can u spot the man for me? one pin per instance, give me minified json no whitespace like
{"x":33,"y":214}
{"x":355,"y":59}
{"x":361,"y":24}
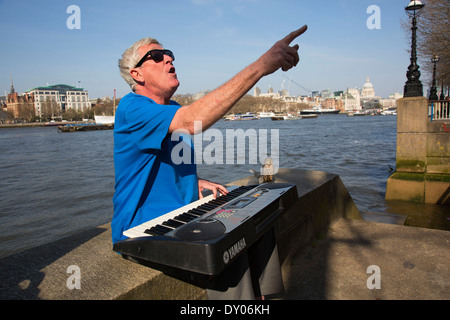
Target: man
{"x":148,"y":183}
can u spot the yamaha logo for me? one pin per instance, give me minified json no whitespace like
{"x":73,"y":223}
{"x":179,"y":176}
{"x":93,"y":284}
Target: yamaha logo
{"x":234,"y":250}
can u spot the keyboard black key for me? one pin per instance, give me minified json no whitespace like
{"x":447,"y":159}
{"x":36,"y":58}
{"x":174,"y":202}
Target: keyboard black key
{"x":208,"y":206}
{"x":172,"y":223}
{"x":155,"y":231}
{"x":189,"y":216}
{"x":182,"y":218}
{"x":162,"y":228}
{"x":152,"y":232}
{"x":198,"y":212}
{"x":194,"y":213}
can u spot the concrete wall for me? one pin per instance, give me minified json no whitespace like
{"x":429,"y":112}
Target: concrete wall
{"x":423,"y":156}
{"x":44,"y":272}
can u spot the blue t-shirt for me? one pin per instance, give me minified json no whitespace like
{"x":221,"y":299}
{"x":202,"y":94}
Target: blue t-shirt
{"x":147,"y":181}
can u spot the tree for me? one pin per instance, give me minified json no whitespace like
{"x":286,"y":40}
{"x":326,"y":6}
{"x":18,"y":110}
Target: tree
{"x":184,"y":99}
{"x":105,"y":107}
{"x":71,"y":114}
{"x":26,"y":111}
{"x":434,"y":38}
{"x":46,"y":109}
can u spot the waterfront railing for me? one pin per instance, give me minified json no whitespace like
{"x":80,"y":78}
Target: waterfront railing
{"x":439,"y":110}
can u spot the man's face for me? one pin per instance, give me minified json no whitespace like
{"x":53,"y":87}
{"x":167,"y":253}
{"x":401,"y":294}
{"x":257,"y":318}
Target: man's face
{"x":159,"y":77}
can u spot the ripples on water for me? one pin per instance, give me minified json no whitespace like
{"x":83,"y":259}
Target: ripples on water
{"x":52,"y":184}
{"x":359,"y":149}
{"x":56,"y":184}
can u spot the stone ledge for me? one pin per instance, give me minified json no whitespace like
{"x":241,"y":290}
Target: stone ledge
{"x":413,"y":264}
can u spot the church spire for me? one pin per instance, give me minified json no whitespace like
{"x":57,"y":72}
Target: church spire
{"x":12,"y":85}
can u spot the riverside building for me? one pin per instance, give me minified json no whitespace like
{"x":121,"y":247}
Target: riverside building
{"x":59,"y":98}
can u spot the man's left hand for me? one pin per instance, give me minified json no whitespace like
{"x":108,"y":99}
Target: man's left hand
{"x":214,"y":187}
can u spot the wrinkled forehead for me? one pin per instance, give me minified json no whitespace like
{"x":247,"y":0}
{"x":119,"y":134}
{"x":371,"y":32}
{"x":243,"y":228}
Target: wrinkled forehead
{"x":145,"y":48}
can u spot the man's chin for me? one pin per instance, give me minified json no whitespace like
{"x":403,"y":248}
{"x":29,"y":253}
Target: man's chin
{"x":174,"y":88}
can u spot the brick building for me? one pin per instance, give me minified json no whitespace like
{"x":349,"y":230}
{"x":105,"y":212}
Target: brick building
{"x":20,"y":105}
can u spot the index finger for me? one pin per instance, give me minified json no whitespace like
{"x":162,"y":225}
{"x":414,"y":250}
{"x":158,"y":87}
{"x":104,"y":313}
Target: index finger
{"x":223,"y":190}
{"x":294,"y":34}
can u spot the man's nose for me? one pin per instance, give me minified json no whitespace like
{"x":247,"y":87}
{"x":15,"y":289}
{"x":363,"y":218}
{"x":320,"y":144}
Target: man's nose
{"x":168,"y":58}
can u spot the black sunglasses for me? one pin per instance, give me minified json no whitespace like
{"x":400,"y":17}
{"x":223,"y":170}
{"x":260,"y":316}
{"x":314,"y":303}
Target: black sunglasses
{"x":157,"y":55}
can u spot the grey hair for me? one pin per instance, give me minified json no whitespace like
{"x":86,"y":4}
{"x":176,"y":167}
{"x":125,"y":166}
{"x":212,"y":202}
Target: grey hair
{"x":131,"y":57}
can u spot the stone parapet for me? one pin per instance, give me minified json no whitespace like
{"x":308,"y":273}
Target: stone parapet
{"x":423,"y":156}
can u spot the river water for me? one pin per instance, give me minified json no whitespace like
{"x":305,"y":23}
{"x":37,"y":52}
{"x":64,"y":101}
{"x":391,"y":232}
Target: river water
{"x":53,"y":185}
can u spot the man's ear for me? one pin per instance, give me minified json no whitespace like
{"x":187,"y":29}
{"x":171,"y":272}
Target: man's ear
{"x":137,"y":75}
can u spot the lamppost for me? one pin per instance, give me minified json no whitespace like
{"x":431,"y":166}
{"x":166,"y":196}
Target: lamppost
{"x":413,"y":86}
{"x":433,"y":90}
{"x":442,"y":97}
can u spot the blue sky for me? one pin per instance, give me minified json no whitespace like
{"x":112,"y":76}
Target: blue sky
{"x":212,"y":40}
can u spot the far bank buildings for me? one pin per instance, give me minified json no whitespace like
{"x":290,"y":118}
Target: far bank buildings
{"x":348,"y":100}
{"x":60,"y":97}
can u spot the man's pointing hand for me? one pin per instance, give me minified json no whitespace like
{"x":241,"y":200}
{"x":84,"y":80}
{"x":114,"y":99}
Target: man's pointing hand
{"x":282,"y":55}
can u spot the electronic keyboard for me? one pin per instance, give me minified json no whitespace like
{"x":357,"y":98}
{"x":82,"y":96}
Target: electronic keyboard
{"x":207,"y":235}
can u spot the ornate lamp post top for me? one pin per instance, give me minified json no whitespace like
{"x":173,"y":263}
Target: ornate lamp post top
{"x":413,"y":87}
{"x":435,"y":58}
{"x":433,"y":90}
{"x":414,"y":8}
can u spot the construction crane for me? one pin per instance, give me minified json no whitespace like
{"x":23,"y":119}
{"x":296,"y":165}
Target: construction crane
{"x":290,"y":80}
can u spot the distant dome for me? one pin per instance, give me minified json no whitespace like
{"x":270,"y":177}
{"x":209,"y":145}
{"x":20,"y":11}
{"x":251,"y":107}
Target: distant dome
{"x":367,"y":90}
{"x":368,"y":84}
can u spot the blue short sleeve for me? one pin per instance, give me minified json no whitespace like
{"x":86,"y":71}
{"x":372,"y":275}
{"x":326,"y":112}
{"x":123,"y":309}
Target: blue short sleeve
{"x":147,"y":122}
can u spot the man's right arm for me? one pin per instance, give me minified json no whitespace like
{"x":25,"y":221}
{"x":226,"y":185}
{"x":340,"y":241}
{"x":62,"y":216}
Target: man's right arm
{"x":216,"y":104}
